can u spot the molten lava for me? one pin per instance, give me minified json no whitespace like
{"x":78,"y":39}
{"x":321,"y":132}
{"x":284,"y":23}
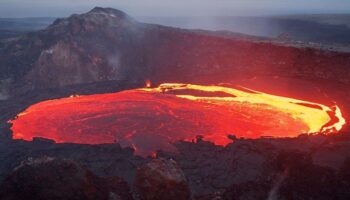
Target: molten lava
{"x":150,"y":119}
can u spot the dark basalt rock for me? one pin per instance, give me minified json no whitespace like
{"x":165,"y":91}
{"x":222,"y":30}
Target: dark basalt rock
{"x":49,"y":178}
{"x":162,"y":179}
{"x":106,"y":44}
{"x":43,"y":140}
{"x":246,"y":169}
{"x":294,"y":176}
{"x":304,"y":180}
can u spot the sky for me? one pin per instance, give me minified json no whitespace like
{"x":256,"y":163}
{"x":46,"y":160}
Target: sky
{"x":62,"y":8}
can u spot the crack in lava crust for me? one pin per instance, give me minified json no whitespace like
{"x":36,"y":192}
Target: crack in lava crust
{"x":150,"y":119}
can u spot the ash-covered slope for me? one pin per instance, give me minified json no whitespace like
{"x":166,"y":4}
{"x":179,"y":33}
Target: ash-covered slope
{"x":106,"y":44}
{"x":79,"y":49}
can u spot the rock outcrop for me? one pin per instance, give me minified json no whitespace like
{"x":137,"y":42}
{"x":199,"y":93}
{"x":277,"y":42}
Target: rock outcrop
{"x":162,"y":179}
{"x":281,"y":168}
{"x":57,"y":179}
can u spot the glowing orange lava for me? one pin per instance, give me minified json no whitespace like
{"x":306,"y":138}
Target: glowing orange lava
{"x":151,"y":118}
{"x":148,"y":84}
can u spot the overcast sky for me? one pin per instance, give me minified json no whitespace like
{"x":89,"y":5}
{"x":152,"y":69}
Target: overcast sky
{"x":60,"y":8}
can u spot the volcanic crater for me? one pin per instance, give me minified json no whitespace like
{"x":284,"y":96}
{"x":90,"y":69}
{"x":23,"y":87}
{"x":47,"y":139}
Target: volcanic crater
{"x":150,"y":119}
{"x":235,"y":102}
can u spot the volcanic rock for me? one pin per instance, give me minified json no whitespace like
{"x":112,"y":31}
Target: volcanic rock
{"x":304,"y":180}
{"x":49,"y":178}
{"x":260,"y":167}
{"x":106,"y":44}
{"x":162,"y":179}
{"x":43,"y":140}
{"x":294,"y":176}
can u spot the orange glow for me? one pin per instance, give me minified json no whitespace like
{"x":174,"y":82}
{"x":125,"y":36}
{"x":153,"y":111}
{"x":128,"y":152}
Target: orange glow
{"x":149,"y":119}
{"x":315,"y":119}
{"x":148,"y":84}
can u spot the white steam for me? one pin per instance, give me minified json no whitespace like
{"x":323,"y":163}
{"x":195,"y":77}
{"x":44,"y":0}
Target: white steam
{"x":273,"y":194}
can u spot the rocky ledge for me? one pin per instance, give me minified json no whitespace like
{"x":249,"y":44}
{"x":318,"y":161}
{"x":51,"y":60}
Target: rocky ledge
{"x":306,"y":167}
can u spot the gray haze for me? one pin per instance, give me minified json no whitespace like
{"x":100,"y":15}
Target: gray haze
{"x":60,"y":8}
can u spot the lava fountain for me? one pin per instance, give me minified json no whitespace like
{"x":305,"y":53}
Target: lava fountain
{"x":150,"y":119}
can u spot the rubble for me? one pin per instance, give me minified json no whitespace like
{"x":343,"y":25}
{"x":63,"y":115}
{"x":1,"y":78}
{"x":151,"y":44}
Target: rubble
{"x":246,"y":168}
{"x":162,"y":179}
{"x":49,"y":178}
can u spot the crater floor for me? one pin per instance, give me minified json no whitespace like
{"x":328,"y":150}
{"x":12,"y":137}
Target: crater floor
{"x":149,"y":119}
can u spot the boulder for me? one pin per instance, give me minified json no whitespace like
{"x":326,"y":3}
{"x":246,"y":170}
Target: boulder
{"x":59,"y":179}
{"x":162,"y":179}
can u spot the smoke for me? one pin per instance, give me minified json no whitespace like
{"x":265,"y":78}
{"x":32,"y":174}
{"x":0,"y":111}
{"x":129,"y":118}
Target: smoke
{"x":4,"y":89}
{"x":3,"y":96}
{"x":273,"y":194}
{"x":115,"y":65}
